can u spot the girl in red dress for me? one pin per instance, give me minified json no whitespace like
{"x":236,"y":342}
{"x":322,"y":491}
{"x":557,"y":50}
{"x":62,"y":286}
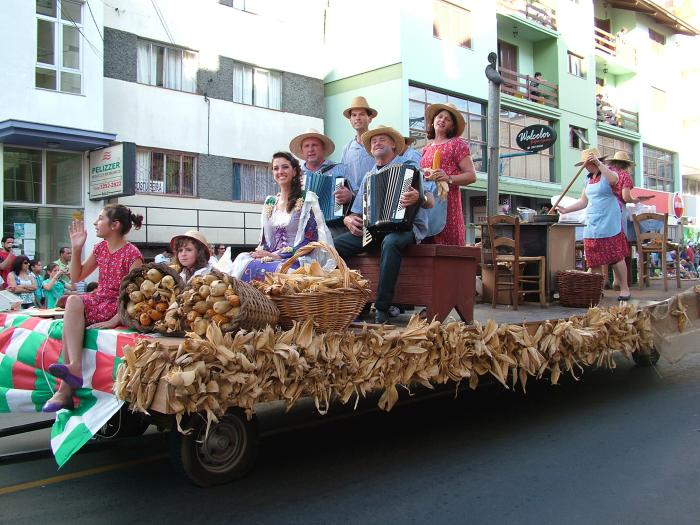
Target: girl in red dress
{"x":114,"y":257}
{"x":445,"y":125}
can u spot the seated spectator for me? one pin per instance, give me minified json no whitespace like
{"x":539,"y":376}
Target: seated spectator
{"x":163,"y":257}
{"x":91,"y":287}
{"x":53,"y":285}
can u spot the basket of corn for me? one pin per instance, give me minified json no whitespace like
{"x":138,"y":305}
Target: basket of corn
{"x":147,"y":296}
{"x":333,"y":299}
{"x":225,"y":301}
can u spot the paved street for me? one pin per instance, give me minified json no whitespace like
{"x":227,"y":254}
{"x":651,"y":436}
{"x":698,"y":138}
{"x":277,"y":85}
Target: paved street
{"x":615,"y":447}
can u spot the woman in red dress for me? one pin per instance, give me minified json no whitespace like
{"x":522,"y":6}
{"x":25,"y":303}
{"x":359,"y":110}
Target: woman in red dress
{"x":114,"y":257}
{"x":445,"y":125}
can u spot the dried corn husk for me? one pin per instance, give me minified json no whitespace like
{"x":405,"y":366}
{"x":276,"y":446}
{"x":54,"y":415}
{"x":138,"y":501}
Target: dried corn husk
{"x":308,"y":278}
{"x":210,"y":372}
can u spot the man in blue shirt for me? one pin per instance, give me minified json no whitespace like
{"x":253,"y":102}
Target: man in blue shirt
{"x":313,"y":148}
{"x":384,"y":144}
{"x":355,"y":156}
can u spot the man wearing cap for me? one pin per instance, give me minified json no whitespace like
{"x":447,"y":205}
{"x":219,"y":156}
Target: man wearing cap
{"x":384,"y":144}
{"x":313,"y":148}
{"x":355,"y":156}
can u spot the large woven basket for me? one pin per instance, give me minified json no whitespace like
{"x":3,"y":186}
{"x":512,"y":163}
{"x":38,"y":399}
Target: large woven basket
{"x":331,"y":310}
{"x":256,"y":311}
{"x":132,"y":277}
{"x":579,"y":289}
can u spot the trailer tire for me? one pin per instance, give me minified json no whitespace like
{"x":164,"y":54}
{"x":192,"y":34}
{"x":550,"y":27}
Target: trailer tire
{"x":227,"y":453}
{"x":646,"y":358}
{"x":124,"y":424}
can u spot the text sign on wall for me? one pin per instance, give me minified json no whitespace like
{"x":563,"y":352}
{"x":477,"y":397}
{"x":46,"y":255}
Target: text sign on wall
{"x":112,"y":171}
{"x":536,"y":137}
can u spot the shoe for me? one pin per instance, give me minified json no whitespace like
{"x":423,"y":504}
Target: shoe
{"x":61,"y":371}
{"x":394,"y":311}
{"x":55,"y":406}
{"x":624,"y":297}
{"x":380,"y":317}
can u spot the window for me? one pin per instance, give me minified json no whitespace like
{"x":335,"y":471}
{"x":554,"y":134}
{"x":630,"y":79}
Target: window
{"x":576,"y":64}
{"x":691,"y":186}
{"x":168,"y":67}
{"x":42,"y":177}
{"x":165,"y":172}
{"x":609,"y":146}
{"x":658,"y":169}
{"x":58,"y":45}
{"x":452,"y":23}
{"x":657,"y":37}
{"x":252,"y":182}
{"x":537,"y":167}
{"x":256,"y":86}
{"x":578,"y":138}
{"x":474,"y":114}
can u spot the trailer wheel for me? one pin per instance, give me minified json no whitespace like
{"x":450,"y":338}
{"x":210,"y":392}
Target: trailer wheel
{"x":227,"y":452}
{"x":123,"y":424}
{"x":646,"y":357}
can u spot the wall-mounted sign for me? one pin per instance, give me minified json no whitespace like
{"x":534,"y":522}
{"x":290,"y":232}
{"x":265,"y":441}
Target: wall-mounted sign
{"x":536,"y":138}
{"x":678,"y":205}
{"x":112,"y":171}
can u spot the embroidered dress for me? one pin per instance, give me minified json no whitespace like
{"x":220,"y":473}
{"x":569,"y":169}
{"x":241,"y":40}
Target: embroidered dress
{"x":604,"y":242}
{"x":101,"y":305}
{"x":452,"y":152}
{"x":283,"y":234}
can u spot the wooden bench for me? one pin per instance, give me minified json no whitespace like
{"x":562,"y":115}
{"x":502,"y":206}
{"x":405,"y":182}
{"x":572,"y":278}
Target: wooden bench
{"x":432,"y":275}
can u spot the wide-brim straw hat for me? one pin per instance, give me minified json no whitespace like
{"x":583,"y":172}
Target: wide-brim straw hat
{"x":384,"y":130}
{"x":586,"y":152}
{"x":433,"y":109}
{"x":295,"y":144}
{"x":360,"y":103}
{"x":622,"y":156}
{"x":195,"y":236}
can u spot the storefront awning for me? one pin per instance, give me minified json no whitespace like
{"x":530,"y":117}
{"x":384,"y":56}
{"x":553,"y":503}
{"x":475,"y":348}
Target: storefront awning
{"x":21,"y":133}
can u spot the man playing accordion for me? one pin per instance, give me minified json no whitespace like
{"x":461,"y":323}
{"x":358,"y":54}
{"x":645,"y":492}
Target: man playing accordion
{"x":385,"y":144}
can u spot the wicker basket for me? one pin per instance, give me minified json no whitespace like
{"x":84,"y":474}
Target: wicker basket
{"x":131,"y":277}
{"x":579,"y":289}
{"x":331,"y":310}
{"x":256,"y":310}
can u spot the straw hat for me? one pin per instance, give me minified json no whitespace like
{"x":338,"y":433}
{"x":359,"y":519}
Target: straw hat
{"x":295,"y":144}
{"x":434,"y":109}
{"x":360,"y":103}
{"x":384,"y":130}
{"x":195,"y":236}
{"x":586,"y":152}
{"x":622,"y":156}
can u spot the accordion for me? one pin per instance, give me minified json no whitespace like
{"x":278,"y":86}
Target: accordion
{"x":325,"y":186}
{"x":381,"y":209}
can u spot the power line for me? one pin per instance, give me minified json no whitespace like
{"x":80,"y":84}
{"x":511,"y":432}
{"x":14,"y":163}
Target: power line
{"x":162,"y":21}
{"x":94,"y":21}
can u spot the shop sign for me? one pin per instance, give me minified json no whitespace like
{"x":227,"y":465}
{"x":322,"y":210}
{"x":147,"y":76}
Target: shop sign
{"x":112,"y":171}
{"x":678,"y":205}
{"x":536,"y":138}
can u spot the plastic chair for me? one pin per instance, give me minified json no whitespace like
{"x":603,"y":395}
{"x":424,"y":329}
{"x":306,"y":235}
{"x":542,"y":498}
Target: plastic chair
{"x":508,"y":264}
{"x":649,"y":242}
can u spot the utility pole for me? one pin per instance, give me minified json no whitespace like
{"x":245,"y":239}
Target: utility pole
{"x":494,"y":111}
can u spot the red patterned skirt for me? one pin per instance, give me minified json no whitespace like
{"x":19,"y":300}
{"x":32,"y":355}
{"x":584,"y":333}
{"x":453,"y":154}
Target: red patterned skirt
{"x":608,"y":250}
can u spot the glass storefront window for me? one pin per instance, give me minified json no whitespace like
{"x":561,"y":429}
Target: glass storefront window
{"x":63,"y":174}
{"x":22,"y":175}
{"x":51,"y":229}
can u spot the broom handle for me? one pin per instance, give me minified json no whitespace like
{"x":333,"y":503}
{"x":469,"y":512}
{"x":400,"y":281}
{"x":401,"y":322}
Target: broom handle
{"x":551,"y":211}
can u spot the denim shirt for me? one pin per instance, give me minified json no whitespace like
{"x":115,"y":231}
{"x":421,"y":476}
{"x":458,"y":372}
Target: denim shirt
{"x":358,"y":162}
{"x":420,"y":223}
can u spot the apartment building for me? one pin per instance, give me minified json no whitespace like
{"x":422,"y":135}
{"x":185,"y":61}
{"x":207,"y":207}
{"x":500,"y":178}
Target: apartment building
{"x":436,"y":51}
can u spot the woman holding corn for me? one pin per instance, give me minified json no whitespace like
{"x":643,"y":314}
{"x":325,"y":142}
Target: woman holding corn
{"x":447,"y":160}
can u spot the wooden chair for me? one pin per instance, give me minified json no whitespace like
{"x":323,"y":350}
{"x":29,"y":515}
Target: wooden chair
{"x":508,"y":264}
{"x":654,"y":242}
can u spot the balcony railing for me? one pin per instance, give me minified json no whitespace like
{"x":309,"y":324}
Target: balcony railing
{"x":529,"y":88}
{"x":614,"y":46}
{"x":533,"y":10}
{"x":622,"y":118}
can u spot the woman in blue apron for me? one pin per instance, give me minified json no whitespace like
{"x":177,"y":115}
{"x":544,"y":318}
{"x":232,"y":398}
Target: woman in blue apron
{"x":604,"y":242}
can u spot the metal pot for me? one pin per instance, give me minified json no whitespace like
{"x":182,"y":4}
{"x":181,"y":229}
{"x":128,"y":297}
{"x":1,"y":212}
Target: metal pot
{"x":526,"y":214}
